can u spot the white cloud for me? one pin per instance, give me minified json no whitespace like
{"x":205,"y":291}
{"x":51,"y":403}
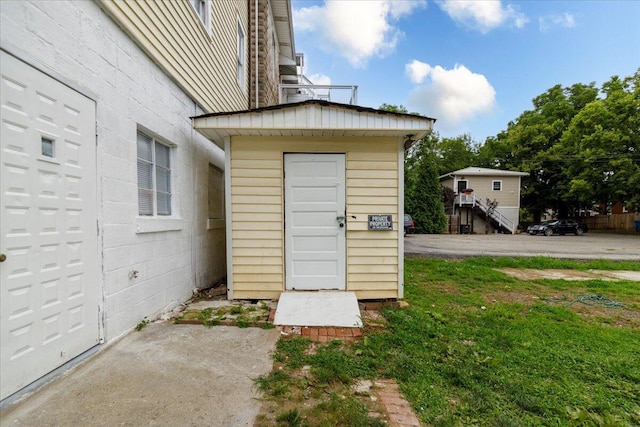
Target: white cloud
{"x":565,"y":20}
{"x":356,"y":29}
{"x":320,"y":79}
{"x":483,"y":15}
{"x":452,"y":96}
{"x":417,"y":70}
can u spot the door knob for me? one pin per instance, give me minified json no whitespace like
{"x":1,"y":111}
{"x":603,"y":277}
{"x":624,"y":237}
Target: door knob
{"x":3,"y":257}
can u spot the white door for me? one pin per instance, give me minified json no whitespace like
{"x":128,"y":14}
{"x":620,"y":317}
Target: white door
{"x":49,"y":285}
{"x":315,"y":221}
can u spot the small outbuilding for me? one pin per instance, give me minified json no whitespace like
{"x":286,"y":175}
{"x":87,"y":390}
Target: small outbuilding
{"x":314,"y":197}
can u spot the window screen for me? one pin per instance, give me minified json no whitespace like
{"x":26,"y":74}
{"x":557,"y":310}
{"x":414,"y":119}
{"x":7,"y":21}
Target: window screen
{"x":154,"y":176}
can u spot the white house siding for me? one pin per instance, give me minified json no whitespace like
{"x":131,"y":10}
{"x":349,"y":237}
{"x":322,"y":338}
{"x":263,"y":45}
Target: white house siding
{"x":79,"y":44}
{"x":258,"y":212}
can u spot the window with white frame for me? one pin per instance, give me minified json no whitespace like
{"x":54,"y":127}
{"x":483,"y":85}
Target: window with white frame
{"x":496,"y":185}
{"x":154,"y":176}
{"x":203,"y":10}
{"x":241,"y":55}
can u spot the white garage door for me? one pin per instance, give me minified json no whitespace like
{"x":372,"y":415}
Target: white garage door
{"x":48,"y":277}
{"x":315,"y":221}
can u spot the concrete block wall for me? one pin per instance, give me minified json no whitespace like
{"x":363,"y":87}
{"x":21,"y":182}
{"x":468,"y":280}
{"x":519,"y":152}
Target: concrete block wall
{"x":82,"y":46}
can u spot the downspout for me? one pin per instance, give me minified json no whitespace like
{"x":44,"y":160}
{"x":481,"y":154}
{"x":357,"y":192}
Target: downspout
{"x":194,"y":180}
{"x":256,"y":56}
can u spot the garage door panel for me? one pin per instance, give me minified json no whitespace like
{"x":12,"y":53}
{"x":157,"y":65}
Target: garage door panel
{"x":49,"y":294}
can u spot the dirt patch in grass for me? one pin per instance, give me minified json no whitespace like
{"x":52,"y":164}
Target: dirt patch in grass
{"x":625,"y":316}
{"x":563,"y":274}
{"x":517,"y":297}
{"x":622,"y":317}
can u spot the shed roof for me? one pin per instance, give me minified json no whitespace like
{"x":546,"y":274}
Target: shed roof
{"x":475,"y":171}
{"x":312,"y":118}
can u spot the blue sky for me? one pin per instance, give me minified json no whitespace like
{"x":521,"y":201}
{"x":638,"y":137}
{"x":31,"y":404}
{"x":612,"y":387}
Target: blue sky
{"x":472,"y":64}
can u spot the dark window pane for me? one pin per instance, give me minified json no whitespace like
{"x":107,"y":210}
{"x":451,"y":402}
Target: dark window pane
{"x":48,"y":147}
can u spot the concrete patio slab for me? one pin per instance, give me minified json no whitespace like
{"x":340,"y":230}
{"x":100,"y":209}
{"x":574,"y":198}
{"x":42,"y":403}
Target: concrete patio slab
{"x":164,"y":375}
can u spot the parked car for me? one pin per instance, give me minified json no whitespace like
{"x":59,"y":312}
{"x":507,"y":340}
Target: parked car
{"x":409,"y":225}
{"x":558,"y":226}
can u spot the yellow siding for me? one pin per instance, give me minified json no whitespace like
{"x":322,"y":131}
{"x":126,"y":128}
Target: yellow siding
{"x":257,"y":188}
{"x":171,"y":33}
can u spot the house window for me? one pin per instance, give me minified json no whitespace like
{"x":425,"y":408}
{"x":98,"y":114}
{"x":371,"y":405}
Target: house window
{"x":241,"y":55}
{"x":496,"y":185}
{"x":154,"y":176}
{"x":203,"y":10}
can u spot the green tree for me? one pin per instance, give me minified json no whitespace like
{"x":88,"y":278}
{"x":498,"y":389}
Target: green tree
{"x":456,"y":153}
{"x":425,"y":203}
{"x":602,"y":146}
{"x":394,"y":108}
{"x":422,"y":192}
{"x":531,"y":144}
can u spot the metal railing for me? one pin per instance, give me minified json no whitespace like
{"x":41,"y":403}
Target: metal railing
{"x":475,"y":200}
{"x":288,"y":93}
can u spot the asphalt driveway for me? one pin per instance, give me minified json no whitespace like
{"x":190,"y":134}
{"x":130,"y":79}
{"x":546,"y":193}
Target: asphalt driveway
{"x":588,"y":246}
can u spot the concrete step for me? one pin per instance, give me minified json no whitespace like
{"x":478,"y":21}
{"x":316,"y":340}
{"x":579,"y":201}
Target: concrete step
{"x":321,"y":308}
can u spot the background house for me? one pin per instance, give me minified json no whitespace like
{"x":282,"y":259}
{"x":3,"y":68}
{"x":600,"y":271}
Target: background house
{"x":471,"y":209}
{"x":112,"y":205}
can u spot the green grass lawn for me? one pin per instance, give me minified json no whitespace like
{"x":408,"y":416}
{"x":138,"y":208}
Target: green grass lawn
{"x":477,"y":347}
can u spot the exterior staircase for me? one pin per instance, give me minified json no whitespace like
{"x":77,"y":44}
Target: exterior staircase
{"x":481,"y":207}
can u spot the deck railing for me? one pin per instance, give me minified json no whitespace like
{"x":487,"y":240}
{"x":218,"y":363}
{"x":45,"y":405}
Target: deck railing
{"x":288,"y":93}
{"x":474,"y":199}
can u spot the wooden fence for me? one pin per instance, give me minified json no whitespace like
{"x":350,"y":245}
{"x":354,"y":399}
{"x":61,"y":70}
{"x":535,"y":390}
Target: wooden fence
{"x":616,"y":222}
